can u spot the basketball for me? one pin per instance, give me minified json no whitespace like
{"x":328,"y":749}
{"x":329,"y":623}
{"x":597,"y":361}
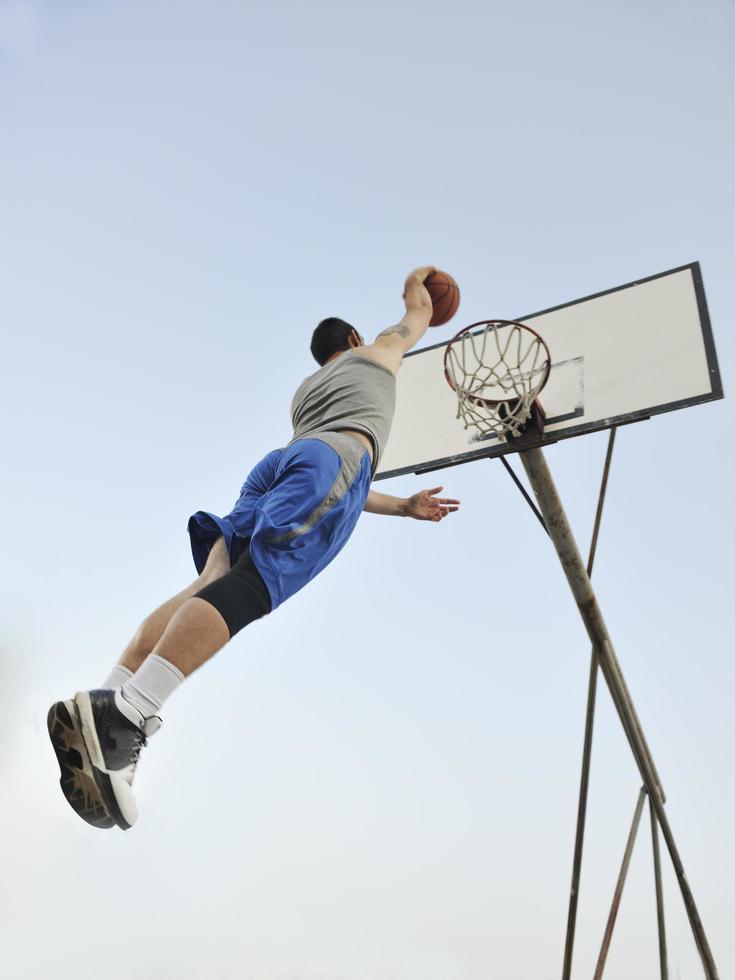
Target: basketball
{"x":444,"y":293}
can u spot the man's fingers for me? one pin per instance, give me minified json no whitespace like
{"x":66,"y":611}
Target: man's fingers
{"x":439,"y":513}
{"x":431,"y":497}
{"x":428,"y":507}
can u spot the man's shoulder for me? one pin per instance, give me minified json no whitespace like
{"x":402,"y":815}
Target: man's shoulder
{"x":380,"y":355}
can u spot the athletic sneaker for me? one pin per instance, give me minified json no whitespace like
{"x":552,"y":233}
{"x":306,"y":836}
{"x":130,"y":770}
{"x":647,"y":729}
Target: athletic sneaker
{"x":114,"y":732}
{"x":77,"y":780}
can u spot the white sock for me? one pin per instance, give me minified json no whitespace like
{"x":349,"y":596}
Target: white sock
{"x":154,"y":681}
{"x":117,"y":677}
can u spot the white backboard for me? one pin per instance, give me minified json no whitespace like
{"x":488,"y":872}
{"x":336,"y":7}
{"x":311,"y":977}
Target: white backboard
{"x":618,"y":356}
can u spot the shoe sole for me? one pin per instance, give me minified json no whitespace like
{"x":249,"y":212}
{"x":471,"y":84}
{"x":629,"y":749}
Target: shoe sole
{"x":77,"y":782}
{"x":88,"y":729}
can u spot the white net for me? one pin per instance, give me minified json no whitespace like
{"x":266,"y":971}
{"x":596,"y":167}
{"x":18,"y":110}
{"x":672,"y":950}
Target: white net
{"x":497,"y":373}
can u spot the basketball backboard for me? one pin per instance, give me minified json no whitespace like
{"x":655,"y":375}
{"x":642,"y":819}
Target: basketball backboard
{"x":618,"y":356}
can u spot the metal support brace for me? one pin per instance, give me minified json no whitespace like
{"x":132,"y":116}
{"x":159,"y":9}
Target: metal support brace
{"x":560,"y":533}
{"x":588,"y":731}
{"x":602,"y":959}
{"x":659,"y":896}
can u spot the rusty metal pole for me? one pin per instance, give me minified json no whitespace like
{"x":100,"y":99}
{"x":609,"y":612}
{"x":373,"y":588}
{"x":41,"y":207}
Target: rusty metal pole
{"x":560,"y":533}
{"x":602,"y":959}
{"x":659,"y":897}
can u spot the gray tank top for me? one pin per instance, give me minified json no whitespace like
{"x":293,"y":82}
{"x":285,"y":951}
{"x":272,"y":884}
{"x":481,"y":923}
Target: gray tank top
{"x":350,"y":392}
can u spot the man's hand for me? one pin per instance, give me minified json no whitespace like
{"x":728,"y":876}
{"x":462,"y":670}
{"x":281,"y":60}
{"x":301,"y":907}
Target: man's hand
{"x":426,"y":506}
{"x":423,"y":506}
{"x":414,"y":289}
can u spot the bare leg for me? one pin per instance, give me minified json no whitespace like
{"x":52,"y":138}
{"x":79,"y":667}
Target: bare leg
{"x":152,"y":628}
{"x":194,"y":634}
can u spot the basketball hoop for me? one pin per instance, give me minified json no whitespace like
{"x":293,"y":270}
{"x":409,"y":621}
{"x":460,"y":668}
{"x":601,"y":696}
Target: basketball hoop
{"x":497,"y":368}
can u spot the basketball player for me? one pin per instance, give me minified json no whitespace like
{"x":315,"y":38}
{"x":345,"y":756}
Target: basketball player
{"x":294,"y":514}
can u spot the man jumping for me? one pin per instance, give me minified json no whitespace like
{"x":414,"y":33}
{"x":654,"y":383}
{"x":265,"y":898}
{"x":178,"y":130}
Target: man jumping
{"x":295,"y":512}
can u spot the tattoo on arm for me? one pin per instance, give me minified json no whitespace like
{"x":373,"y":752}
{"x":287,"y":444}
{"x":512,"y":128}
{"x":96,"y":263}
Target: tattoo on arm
{"x":400,"y":330}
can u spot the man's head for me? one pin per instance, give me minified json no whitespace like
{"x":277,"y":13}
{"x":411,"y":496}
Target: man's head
{"x":333,"y":336}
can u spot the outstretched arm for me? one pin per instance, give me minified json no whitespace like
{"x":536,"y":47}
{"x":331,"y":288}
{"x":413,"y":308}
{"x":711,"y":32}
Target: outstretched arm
{"x":422,"y":506}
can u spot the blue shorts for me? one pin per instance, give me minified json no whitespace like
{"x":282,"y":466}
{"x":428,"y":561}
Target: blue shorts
{"x":295,"y":512}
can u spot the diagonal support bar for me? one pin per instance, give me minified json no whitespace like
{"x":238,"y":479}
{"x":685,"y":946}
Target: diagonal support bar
{"x":606,"y":939}
{"x":560,"y":533}
{"x":581,"y":819}
{"x":663,"y":960}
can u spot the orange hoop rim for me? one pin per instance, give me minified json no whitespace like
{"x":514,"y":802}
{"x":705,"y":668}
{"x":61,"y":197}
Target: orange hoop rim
{"x":494,"y":402}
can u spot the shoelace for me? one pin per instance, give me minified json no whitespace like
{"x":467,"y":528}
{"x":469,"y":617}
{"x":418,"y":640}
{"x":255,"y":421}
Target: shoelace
{"x":139,"y":743}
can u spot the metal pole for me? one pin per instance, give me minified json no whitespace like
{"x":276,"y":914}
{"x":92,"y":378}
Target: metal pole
{"x":659,"y":896}
{"x":601,"y":500}
{"x":581,"y":819}
{"x":588,"y":731}
{"x":610,"y":664}
{"x":579,"y":582}
{"x":631,"y":725}
{"x":619,"y":886}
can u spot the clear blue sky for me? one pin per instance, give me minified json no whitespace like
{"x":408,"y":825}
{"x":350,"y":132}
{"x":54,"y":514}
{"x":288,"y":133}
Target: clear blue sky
{"x":380,"y":781}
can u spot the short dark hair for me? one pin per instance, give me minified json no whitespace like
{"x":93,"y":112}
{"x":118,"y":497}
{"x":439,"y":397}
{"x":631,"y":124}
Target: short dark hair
{"x":330,"y":336}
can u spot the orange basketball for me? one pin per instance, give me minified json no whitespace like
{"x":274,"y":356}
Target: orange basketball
{"x":444,"y":293}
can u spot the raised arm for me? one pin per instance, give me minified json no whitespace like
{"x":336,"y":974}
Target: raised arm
{"x":392,"y":344}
